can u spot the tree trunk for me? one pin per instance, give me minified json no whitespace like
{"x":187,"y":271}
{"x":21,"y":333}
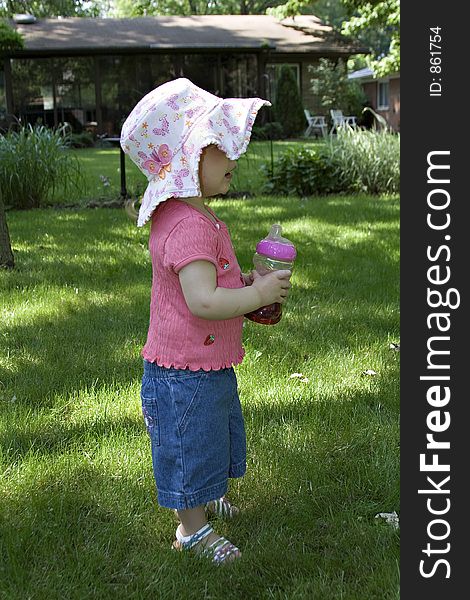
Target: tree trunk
{"x":6,"y":255}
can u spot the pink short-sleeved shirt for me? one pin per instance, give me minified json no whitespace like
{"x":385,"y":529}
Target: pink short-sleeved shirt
{"x":180,"y":234}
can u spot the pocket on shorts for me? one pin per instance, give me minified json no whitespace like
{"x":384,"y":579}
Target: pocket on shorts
{"x":150,"y":410}
{"x":186,"y":393}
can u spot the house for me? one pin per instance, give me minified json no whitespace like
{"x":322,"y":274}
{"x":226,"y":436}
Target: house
{"x":91,"y":72}
{"x":383,"y":94}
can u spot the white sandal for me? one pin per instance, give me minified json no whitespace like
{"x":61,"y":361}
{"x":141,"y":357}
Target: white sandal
{"x":221,"y":507}
{"x":218,"y":551}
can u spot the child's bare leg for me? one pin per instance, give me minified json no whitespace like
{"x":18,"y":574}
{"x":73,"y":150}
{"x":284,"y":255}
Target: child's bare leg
{"x":192,"y":519}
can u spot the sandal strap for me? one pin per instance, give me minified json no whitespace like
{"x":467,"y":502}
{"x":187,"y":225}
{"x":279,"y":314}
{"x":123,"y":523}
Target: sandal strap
{"x":188,"y":541}
{"x":221,"y":549}
{"x":222,"y":507}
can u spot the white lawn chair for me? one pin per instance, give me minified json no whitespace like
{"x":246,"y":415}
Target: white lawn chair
{"x":314,"y":123}
{"x":339,"y":120}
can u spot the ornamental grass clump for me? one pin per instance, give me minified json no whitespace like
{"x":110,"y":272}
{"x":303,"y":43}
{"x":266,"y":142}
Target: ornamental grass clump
{"x":366,"y":160}
{"x":34,"y":165}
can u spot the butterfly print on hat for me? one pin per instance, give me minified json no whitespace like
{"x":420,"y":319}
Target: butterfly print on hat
{"x":133,"y":139}
{"x":188,"y":150}
{"x":210,"y":124}
{"x":226,"y":108}
{"x":158,"y":161}
{"x":232,"y":129}
{"x":178,"y":177}
{"x":164,"y":129}
{"x":193,"y":111}
{"x":171,"y":102}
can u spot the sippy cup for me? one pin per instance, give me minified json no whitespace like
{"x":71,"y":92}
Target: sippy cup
{"x":273,"y":253}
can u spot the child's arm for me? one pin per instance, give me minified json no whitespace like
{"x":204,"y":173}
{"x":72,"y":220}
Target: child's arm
{"x":204,"y":299}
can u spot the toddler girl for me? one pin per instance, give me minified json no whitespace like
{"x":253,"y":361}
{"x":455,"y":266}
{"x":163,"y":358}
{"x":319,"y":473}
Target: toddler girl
{"x":186,"y":142}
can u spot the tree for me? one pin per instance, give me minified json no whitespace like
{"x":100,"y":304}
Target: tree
{"x":288,"y":107}
{"x":331,"y":85}
{"x":10,"y":39}
{"x":137,"y":8}
{"x":52,"y":8}
{"x":373,"y":23}
{"x":7,"y":259}
{"x":378,"y":15}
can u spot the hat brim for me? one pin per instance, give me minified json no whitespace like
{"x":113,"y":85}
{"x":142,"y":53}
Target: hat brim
{"x":230,"y":131}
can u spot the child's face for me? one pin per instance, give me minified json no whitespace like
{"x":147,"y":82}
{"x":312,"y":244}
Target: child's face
{"x":215,"y":171}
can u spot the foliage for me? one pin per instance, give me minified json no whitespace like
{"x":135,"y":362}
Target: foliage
{"x":138,"y":8}
{"x":82,"y":140}
{"x":288,"y":108}
{"x":10,"y":39}
{"x":367,"y":161}
{"x":33,"y":164}
{"x":331,"y":85}
{"x":52,"y":8}
{"x":373,"y":23}
{"x":331,"y":12}
{"x":268,"y":131}
{"x":352,"y":161}
{"x":301,"y":172}
{"x":378,"y":15}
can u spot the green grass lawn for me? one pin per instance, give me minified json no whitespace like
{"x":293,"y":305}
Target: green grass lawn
{"x":96,"y":163}
{"x":78,"y":512}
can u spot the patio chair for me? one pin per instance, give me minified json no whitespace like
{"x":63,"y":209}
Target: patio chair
{"x":340,"y":120}
{"x":317,"y":123}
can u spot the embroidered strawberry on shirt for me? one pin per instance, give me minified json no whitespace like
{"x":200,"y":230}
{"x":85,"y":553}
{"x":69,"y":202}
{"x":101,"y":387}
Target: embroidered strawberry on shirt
{"x":209,"y":340}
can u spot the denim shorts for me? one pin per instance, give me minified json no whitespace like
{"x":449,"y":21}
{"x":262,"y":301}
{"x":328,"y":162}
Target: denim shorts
{"x":197,"y":433}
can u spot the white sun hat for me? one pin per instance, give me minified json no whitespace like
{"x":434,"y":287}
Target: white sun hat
{"x":166,"y":131}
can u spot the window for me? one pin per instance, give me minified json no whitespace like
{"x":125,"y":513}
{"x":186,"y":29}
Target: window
{"x":126,"y":79}
{"x":382,"y":95}
{"x":238,"y":75}
{"x":54,"y":90}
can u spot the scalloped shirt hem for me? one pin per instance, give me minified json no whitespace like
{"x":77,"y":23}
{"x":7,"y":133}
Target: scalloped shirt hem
{"x":195,"y":366}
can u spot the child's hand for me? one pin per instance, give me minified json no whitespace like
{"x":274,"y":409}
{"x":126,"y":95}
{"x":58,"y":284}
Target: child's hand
{"x":273,"y":287}
{"x":248,"y":278}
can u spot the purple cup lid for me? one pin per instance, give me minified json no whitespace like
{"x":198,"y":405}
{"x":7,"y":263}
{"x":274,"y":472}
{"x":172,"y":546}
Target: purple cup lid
{"x":276,"y":246}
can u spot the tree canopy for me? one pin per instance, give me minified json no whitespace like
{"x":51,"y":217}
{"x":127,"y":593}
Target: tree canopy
{"x":53,"y":8}
{"x":377,"y":15}
{"x":374,"y":23}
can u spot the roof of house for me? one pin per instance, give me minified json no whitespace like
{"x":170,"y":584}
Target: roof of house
{"x":368,"y":74}
{"x":304,"y":34}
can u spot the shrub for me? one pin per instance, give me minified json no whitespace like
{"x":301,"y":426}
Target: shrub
{"x":82,"y":140}
{"x":34,"y":163}
{"x":303,"y":172}
{"x":352,"y":161}
{"x":268,"y":131}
